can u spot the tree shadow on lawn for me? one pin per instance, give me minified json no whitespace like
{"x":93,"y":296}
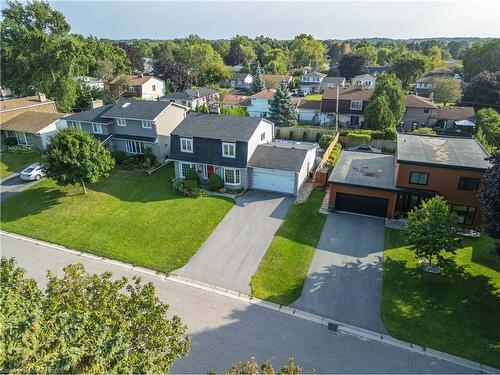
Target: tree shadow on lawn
{"x":454,"y":311}
{"x":482,"y":253}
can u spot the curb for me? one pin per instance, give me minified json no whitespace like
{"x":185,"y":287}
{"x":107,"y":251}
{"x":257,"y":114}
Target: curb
{"x":300,"y":314}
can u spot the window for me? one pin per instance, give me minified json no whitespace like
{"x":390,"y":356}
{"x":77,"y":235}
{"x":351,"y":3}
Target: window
{"x":468,"y":183}
{"x":24,"y":139}
{"x":187,"y":145}
{"x":134,"y":147}
{"x":154,"y":87}
{"x":263,"y":136}
{"x":228,"y":150}
{"x":231,"y":176}
{"x":419,"y":178}
{"x":96,"y":128}
{"x":414,"y":125}
{"x":465,"y":214}
{"x":184,"y":168}
{"x":426,"y":110}
{"x":147,"y":124}
{"x":356,"y":104}
{"x":76,"y":125}
{"x":121,"y":122}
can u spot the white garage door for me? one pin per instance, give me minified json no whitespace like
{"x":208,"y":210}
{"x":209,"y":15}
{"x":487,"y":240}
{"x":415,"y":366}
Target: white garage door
{"x":274,"y":180}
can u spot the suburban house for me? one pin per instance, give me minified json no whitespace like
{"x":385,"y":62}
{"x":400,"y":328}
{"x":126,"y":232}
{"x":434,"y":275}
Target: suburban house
{"x":453,"y":119}
{"x":273,"y":80}
{"x":234,"y":99}
{"x":311,"y":82}
{"x":193,"y":98}
{"x":441,"y":73}
{"x":331,"y":82}
{"x":424,"y":166}
{"x":378,"y":70}
{"x":258,"y":103}
{"x":11,"y":108}
{"x":364,"y":80}
{"x":148,"y":65}
{"x":91,"y":82}
{"x":241,"y":151}
{"x":241,"y":81}
{"x":425,"y":85}
{"x":33,"y":129}
{"x":309,"y":111}
{"x":352,"y":102}
{"x":132,"y":125}
{"x":417,"y":114}
{"x":144,"y":87}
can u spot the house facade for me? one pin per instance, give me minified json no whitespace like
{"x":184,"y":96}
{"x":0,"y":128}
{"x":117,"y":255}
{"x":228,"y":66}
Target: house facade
{"x":452,"y":119}
{"x":417,"y":113}
{"x":241,"y":81}
{"x":144,"y":87}
{"x":132,"y":125}
{"x":425,"y":87}
{"x":241,"y":151}
{"x":364,"y":80}
{"x":423,"y":167}
{"x":352,"y":102}
{"x":258,"y":104}
{"x":309,"y":111}
{"x":311,"y":82}
{"x":193,"y":98}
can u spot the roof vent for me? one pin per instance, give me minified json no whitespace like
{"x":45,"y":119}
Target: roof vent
{"x":125,"y":105}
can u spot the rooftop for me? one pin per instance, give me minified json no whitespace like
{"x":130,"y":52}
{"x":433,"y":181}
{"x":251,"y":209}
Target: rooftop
{"x":91,"y":115}
{"x":348,"y":93}
{"x":457,"y":152}
{"x":264,"y":94}
{"x":190,"y":94}
{"x":453,"y":113}
{"x":309,"y":104}
{"x":333,"y":79}
{"x":415,"y":101}
{"x":240,"y":75}
{"x":315,"y":74}
{"x":136,"y":109}
{"x":283,"y":156}
{"x":137,"y":80}
{"x":18,"y":103}
{"x":364,"y":169}
{"x":231,"y":128}
{"x":31,"y":122}
{"x":273,"y":80}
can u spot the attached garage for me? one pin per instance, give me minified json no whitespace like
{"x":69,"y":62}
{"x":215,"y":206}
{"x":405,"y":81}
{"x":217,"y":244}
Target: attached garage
{"x":361,"y":204}
{"x":273,"y":180}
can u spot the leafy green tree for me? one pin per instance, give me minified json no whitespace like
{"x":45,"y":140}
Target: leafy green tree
{"x":222,"y":47}
{"x":134,"y":55}
{"x":83,"y":323}
{"x":105,"y":71}
{"x":483,"y":56}
{"x":431,"y":230}
{"x":234,"y":111}
{"x":174,"y":74}
{"x":488,"y":121}
{"x":144,"y":47}
{"x":252,"y":367}
{"x":434,"y":58}
{"x":114,"y":91}
{"x":457,"y":49}
{"x":389,"y":84}
{"x":447,"y":90}
{"x":489,"y":196}
{"x":483,"y":91}
{"x":352,"y":64}
{"x":308,"y":51}
{"x":368,"y":50}
{"x":378,"y":114}
{"x":334,"y":52}
{"x":84,"y":97}
{"x":201,"y":108}
{"x":165,"y":49}
{"x":276,"y":61}
{"x":282,"y":110}
{"x":258,"y":83}
{"x":76,"y":157}
{"x":409,"y":66}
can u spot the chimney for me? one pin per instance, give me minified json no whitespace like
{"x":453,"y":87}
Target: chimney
{"x":41,"y":97}
{"x":96,"y":103}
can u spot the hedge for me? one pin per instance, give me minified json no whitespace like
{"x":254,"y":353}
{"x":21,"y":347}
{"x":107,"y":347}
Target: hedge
{"x":374,"y":134}
{"x":365,"y":138}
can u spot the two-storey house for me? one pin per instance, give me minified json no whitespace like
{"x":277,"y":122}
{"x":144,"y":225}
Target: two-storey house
{"x":311,"y":82}
{"x":417,"y":114}
{"x":194,"y":97}
{"x":424,"y":166}
{"x":241,"y":81}
{"x":144,"y":87}
{"x":132,"y":125}
{"x":351,"y":103}
{"x":241,"y":151}
{"x":364,"y":80}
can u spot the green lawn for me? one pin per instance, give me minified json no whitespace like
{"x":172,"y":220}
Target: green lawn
{"x":281,"y":274}
{"x":10,"y":163}
{"x":456,"y":311}
{"x":129,"y":216}
{"x":313,"y":96}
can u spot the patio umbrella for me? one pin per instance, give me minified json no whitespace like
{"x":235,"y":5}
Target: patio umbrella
{"x":464,"y":123}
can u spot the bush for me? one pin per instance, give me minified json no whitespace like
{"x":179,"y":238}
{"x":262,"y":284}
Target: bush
{"x":334,"y":155}
{"x":149,"y":158}
{"x":290,"y":136}
{"x":20,"y":150}
{"x":375,"y":134}
{"x":190,"y":185}
{"x":325,"y":141}
{"x":119,"y":156}
{"x":128,"y":166}
{"x":191,"y":174}
{"x":10,"y":141}
{"x":390,"y":134}
{"x":177,"y":184}
{"x":304,"y":136}
{"x":278,"y":133}
{"x":359,"y":137}
{"x":201,"y":193}
{"x":215,"y":182}
{"x":424,"y":131}
{"x":317,"y":138}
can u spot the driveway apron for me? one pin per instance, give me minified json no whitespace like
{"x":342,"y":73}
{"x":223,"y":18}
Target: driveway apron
{"x":13,"y":184}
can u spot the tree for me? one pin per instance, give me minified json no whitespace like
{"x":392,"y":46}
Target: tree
{"x":447,"y":90}
{"x":483,"y":91}
{"x":252,"y":367}
{"x":76,"y":157}
{"x":378,"y":114}
{"x":276,"y":61}
{"x":134,"y":55}
{"x":83,"y":323}
{"x":84,"y":97}
{"x":144,"y":47}
{"x":434,"y":58}
{"x":282,"y":109}
{"x":408,"y":67}
{"x":352,"y":64}
{"x":368,"y":50}
{"x":488,"y":121}
{"x":389,"y":84}
{"x":335,"y":52}
{"x":174,"y":74}
{"x":431,"y":230}
{"x":164,"y":49}
{"x":258,"y":83}
{"x":234,"y":111}
{"x":120,"y":86}
{"x":457,"y":49}
{"x":489,"y":197}
{"x":105,"y":71}
{"x":483,"y":56}
{"x":307,"y":51}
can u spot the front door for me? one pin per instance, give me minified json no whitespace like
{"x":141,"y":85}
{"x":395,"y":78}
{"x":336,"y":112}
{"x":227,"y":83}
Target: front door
{"x":210,"y":170}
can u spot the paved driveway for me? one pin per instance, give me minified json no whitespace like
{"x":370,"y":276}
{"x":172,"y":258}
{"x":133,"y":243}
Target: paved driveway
{"x":345,"y":277}
{"x":13,"y":184}
{"x":233,"y":252}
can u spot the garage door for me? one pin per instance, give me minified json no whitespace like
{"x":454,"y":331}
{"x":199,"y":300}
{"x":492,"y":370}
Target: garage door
{"x":361,"y":204}
{"x":273,"y":180}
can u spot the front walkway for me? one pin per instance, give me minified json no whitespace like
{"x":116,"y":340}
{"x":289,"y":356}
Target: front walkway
{"x":345,"y":278}
{"x":233,"y":252}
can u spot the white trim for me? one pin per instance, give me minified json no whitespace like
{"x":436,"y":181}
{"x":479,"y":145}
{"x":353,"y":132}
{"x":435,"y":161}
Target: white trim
{"x":205,"y":171}
{"x":120,"y":121}
{"x":96,"y":128}
{"x":183,"y":175}
{"x":147,"y":124}
{"x":185,"y":148}
{"x":355,"y":108}
{"x":134,"y":147}
{"x":237,"y":176}
{"x":229,"y":144}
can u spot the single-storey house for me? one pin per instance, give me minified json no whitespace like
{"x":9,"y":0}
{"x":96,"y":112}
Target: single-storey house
{"x":309,"y":111}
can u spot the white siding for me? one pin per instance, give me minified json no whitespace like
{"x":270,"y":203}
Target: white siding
{"x":255,"y":140}
{"x":306,"y":167}
{"x":147,"y":89}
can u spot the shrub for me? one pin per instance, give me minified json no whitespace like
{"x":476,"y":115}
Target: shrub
{"x":190,"y":185}
{"x":215,"y":182}
{"x":375,"y":134}
{"x":317,"y":138}
{"x":290,"y":136}
{"x":191,"y":174}
{"x":119,"y":156}
{"x":334,"y":155}
{"x":304,"y":136}
{"x":20,"y":150}
{"x":425,"y":131}
{"x":359,"y":137}
{"x":278,"y":133}
{"x":201,"y":193}
{"x":177,"y":184}
{"x":325,"y":141}
{"x":10,"y":141}
{"x":149,"y":158}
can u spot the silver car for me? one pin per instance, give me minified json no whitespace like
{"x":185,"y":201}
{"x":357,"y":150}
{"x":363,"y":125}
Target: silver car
{"x":33,"y":173}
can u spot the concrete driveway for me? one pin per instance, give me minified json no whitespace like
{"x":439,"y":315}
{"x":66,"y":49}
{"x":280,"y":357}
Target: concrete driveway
{"x":345,"y":277}
{"x":232,"y":253}
{"x":13,"y":184}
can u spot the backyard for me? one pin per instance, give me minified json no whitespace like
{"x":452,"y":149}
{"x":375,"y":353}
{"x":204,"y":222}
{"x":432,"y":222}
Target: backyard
{"x":10,"y":162}
{"x":129,"y":216}
{"x":313,"y":96}
{"x":283,"y":271}
{"x":456,"y":311}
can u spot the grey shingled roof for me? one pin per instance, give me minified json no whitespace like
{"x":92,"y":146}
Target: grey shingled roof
{"x":454,"y":152}
{"x":281,"y":156}
{"x":333,"y":79}
{"x":91,"y":115}
{"x":204,"y":125}
{"x":190,"y":94}
{"x":137,"y":109}
{"x":240,"y":75}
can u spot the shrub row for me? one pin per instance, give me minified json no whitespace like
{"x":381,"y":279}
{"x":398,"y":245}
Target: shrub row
{"x":334,"y":155}
{"x":20,"y":150}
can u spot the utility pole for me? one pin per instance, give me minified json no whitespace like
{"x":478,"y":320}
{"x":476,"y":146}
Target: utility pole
{"x":337,"y":111}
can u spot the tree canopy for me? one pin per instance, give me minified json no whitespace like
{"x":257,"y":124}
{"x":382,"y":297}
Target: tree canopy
{"x":175,"y":75}
{"x":282,"y":110}
{"x":408,"y":67}
{"x":482,"y":56}
{"x":352,"y":64}
{"x":483,"y":91}
{"x":389,"y":85}
{"x":378,"y":114}
{"x":447,"y":90}
{"x":308,"y":51}
{"x":488,"y":121}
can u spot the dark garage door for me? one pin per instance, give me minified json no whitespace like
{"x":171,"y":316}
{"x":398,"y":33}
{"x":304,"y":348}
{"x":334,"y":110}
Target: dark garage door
{"x":361,"y":204}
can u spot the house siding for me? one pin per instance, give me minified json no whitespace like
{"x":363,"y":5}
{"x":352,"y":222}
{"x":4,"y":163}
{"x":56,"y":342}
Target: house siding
{"x":417,"y":115}
{"x":254,"y":141}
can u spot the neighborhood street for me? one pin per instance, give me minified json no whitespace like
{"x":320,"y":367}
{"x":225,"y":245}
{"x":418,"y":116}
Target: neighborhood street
{"x":13,"y":184}
{"x":225,"y":330}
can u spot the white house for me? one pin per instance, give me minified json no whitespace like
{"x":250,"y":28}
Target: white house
{"x":309,"y":111}
{"x":193,"y":98}
{"x":241,"y":81}
{"x":258,"y":104}
{"x":144,"y":87}
{"x":311,"y":82}
{"x":364,"y":80}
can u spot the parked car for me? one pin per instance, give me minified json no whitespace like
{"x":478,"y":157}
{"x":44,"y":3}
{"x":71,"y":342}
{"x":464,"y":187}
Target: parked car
{"x":33,"y":173}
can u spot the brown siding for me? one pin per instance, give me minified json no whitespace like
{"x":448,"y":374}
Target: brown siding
{"x":444,"y":181}
{"x":329,"y":105}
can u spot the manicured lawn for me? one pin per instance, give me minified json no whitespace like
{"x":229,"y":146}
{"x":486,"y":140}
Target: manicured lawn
{"x":10,"y":163}
{"x":456,"y":311}
{"x":313,"y":97}
{"x":282,"y":273}
{"x":129,"y":216}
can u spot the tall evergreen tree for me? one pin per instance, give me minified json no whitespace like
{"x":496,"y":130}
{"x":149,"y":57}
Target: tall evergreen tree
{"x":258,"y":83}
{"x":378,"y":114}
{"x":389,"y":85}
{"x":282,"y":109}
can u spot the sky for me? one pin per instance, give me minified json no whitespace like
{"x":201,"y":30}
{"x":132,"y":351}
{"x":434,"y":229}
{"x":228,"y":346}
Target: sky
{"x":283,"y":19}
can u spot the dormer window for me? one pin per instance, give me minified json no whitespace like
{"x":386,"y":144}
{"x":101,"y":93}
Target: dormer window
{"x":147,"y":124}
{"x":228,"y":149}
{"x":96,"y":128}
{"x":121,"y":122}
{"x":356,"y":105}
{"x":187,"y":145}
